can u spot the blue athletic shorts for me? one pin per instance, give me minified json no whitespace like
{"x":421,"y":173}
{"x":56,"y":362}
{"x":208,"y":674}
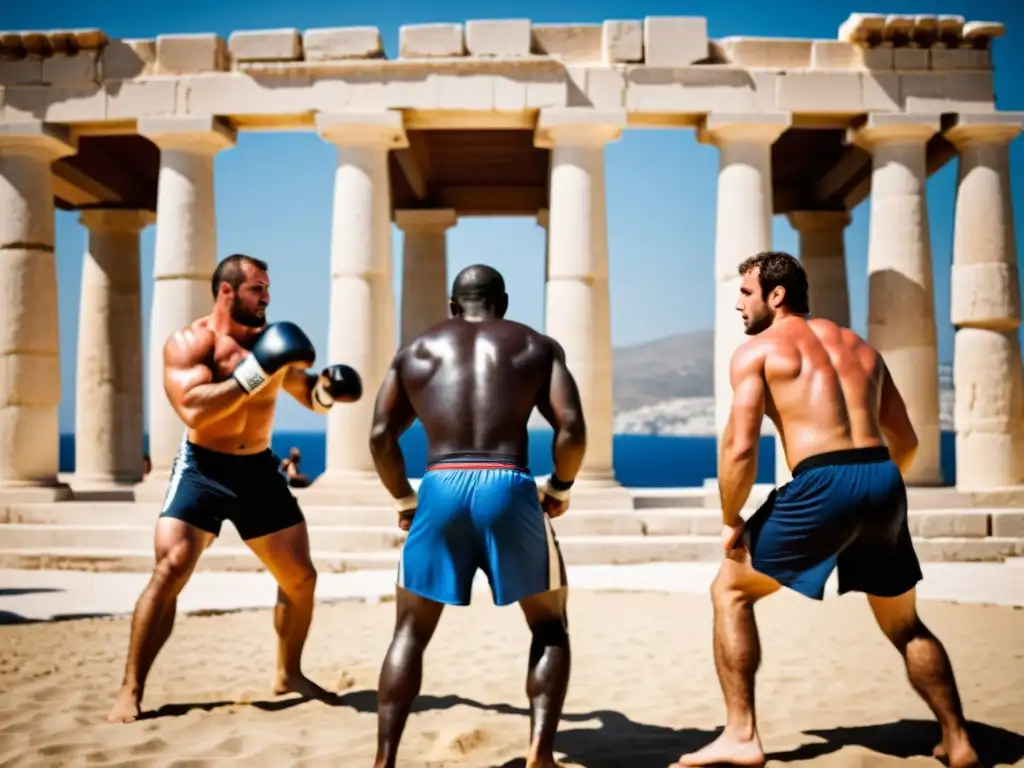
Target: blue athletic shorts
{"x":208,"y":487}
{"x":845,"y":509}
{"x":479,"y":514}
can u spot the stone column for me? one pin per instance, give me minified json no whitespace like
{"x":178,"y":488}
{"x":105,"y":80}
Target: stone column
{"x":108,"y":402}
{"x":424,"y":269}
{"x":743,"y":228}
{"x":542,"y":221}
{"x":577,"y":299}
{"x":30,"y":388}
{"x":362,"y":316}
{"x":823,"y":255}
{"x":185,"y":257}
{"x":901,"y":308}
{"x":986,"y":307}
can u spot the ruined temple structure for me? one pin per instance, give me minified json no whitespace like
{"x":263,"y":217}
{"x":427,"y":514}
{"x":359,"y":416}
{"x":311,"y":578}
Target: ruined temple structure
{"x":495,"y":118}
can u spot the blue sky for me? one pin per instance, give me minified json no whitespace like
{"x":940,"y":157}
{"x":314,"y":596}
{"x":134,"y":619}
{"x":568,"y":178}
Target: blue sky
{"x":273,"y":193}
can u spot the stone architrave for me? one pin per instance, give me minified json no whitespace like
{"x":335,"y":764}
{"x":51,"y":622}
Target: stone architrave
{"x":30,"y":387}
{"x":108,"y":400}
{"x":986,"y":307}
{"x":424,"y":268}
{"x":901,"y":305}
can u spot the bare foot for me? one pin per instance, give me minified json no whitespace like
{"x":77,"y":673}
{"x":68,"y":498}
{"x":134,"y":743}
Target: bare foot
{"x":303,"y":686}
{"x":963,"y":755}
{"x":726,"y":749}
{"x":126,"y":709}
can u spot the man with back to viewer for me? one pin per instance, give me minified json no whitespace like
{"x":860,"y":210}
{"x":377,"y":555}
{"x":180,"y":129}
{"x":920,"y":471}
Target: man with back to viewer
{"x":836,"y":407}
{"x":473,"y":381}
{"x":223,"y":374}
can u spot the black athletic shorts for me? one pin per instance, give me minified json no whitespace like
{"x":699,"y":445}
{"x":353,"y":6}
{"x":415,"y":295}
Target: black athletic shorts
{"x":208,"y":487}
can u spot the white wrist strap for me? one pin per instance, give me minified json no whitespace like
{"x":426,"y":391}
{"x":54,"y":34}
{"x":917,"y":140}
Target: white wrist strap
{"x":250,"y":376}
{"x":554,"y":493}
{"x":321,"y":399}
{"x":406,"y":503}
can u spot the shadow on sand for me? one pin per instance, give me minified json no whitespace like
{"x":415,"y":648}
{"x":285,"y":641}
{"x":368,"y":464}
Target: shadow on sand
{"x":601,"y":737}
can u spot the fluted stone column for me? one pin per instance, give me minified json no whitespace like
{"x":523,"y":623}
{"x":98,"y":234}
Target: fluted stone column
{"x":577,"y":301}
{"x":108,"y":401}
{"x":743,"y":228}
{"x":823,"y":255}
{"x":901,"y":308}
{"x":185,"y":257}
{"x":362,"y":315}
{"x":986,"y":307}
{"x":424,"y":269}
{"x":30,"y":388}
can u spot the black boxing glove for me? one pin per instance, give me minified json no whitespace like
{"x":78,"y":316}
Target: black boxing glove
{"x":337,"y":383}
{"x":279,"y":345}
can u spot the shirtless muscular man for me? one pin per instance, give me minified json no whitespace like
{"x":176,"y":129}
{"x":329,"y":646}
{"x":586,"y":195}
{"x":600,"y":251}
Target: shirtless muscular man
{"x":223,"y":374}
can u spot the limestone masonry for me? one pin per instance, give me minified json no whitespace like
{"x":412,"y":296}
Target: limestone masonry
{"x":498,"y":117}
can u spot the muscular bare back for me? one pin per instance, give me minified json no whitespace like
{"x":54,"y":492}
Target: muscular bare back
{"x":473,"y":385}
{"x":824,"y":386}
{"x":198,"y":354}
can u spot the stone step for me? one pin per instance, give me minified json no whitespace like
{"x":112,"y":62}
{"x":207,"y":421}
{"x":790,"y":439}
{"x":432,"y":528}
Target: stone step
{"x":924,"y":523}
{"x":577,"y":550}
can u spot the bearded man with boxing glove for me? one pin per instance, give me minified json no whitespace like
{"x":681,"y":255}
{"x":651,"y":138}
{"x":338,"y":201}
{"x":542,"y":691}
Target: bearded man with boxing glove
{"x":223,"y":374}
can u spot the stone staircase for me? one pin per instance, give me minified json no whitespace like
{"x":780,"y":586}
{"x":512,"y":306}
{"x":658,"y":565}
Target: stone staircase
{"x":118,"y":536}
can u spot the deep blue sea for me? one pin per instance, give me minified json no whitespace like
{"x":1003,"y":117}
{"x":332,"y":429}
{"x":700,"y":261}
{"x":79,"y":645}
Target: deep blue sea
{"x":641,"y":461}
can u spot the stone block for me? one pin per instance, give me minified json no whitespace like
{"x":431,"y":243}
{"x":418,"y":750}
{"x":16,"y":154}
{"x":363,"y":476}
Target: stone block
{"x":622,"y":42}
{"x":266,"y":45}
{"x":766,"y":52}
{"x":430,"y":41}
{"x":412,"y":90}
{"x":675,"y":41}
{"x":238,"y":94}
{"x":504,"y":37}
{"x":861,"y":27}
{"x":190,"y":54}
{"x":947,"y":92}
{"x":838,"y":91}
{"x":1008,"y":523}
{"x":766,"y":85}
{"x":464,"y":91}
{"x":835,"y":54}
{"x":908,"y":59}
{"x":986,"y":294}
{"x":962,"y":523}
{"x":509,"y":94}
{"x":689,"y":89}
{"x":960,"y":58}
{"x":552,"y":91}
{"x":571,"y":43}
{"x":340,"y":43}
{"x":25,"y":71}
{"x":125,"y":59}
{"x":141,"y":98}
{"x":80,"y":69}
{"x":576,"y":87}
{"x":881,"y":92}
{"x":53,"y":103}
{"x":606,"y":88}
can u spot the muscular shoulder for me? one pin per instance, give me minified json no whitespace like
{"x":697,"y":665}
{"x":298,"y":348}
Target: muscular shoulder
{"x":189,"y":345}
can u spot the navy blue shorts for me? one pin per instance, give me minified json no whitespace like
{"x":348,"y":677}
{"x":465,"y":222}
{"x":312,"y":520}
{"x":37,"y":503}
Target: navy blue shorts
{"x":208,"y":487}
{"x":479,"y":515}
{"x":845,"y":509}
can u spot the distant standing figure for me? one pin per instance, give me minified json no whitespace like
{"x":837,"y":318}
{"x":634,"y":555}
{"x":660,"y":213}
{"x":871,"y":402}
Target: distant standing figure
{"x":290,"y":469}
{"x":848,"y":440}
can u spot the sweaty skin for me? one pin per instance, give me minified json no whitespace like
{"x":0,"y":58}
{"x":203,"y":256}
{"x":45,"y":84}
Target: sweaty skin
{"x":473,"y":384}
{"x":825,"y":389}
{"x":222,"y":417}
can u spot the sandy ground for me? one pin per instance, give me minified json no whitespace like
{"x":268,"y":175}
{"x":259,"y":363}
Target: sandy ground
{"x":643,"y":688}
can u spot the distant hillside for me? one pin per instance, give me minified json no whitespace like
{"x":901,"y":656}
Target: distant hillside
{"x":664,"y":369}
